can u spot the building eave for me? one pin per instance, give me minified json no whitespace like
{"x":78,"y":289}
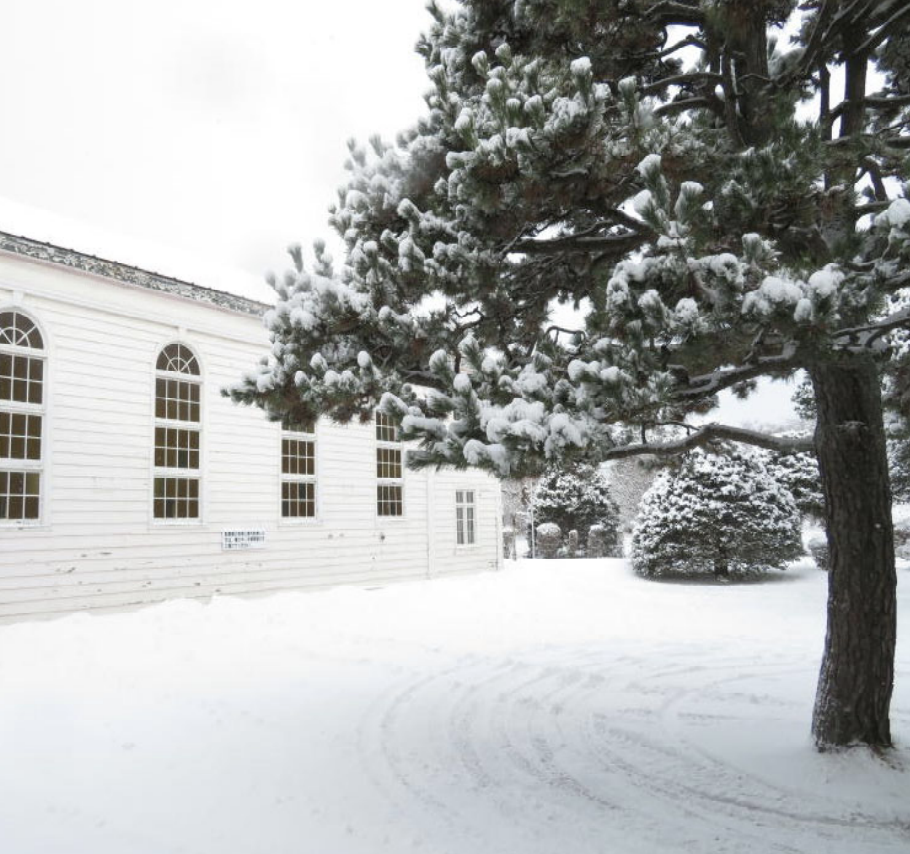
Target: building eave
{"x":127,"y":274}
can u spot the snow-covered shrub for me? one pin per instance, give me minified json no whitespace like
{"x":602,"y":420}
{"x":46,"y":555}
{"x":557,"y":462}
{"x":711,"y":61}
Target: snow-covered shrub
{"x":572,"y":543}
{"x":576,"y":499}
{"x":899,"y":464}
{"x":800,"y":475}
{"x":597,"y":541}
{"x":715,"y":514}
{"x":818,"y":548}
{"x":549,"y":538}
{"x":901,"y":521}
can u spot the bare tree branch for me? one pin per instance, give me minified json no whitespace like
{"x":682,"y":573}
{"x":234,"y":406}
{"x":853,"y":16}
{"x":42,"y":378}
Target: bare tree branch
{"x":707,"y":385}
{"x":684,"y":104}
{"x":710,"y":433}
{"x":616,"y":242}
{"x":681,"y":80}
{"x":885,"y":30}
{"x":866,"y":336}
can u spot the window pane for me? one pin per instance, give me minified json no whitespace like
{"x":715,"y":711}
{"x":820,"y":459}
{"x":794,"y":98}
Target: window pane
{"x":389,"y":500}
{"x":176,"y":498}
{"x":20,"y":436}
{"x":386,"y":431}
{"x":19,"y":495}
{"x":177,"y":358}
{"x":175,"y":448}
{"x":464,"y":517}
{"x":21,"y":378}
{"x":291,"y":426}
{"x":18,"y":331}
{"x":176,"y":400}
{"x":298,"y":457}
{"x":298,"y":499}
{"x":6,"y":375}
{"x":388,"y":463}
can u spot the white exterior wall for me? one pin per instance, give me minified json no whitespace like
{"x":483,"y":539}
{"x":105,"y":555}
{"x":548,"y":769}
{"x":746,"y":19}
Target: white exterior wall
{"x":97,"y":544}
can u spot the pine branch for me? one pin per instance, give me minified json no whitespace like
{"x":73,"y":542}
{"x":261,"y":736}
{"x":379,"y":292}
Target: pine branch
{"x":707,"y":385}
{"x":884,"y":102}
{"x":683,"y":104}
{"x":865,"y":337}
{"x":677,"y":13}
{"x":886,"y":29}
{"x":618,"y":243}
{"x":681,"y":80}
{"x":708,"y":434}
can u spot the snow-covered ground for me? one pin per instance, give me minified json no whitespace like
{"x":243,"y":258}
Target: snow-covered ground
{"x":560,"y":706}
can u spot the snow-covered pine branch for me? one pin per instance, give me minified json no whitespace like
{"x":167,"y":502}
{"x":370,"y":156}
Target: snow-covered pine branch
{"x":710,"y":434}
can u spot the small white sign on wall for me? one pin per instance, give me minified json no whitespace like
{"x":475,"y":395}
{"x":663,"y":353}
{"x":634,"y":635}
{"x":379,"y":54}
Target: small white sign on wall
{"x":243,"y":538}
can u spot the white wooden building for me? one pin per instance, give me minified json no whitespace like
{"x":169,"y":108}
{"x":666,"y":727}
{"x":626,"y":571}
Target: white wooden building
{"x":126,"y":478}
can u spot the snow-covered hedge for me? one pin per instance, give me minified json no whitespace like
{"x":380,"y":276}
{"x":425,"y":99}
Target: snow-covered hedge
{"x":799,"y":474}
{"x":717,"y":514}
{"x":549,"y":538}
{"x":818,"y":548}
{"x":576,"y":499}
{"x":597,"y":541}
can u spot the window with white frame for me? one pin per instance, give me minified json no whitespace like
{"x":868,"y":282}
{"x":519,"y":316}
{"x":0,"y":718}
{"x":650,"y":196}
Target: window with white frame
{"x":178,"y":389}
{"x":298,"y":470}
{"x":22,"y":379}
{"x":465,"y":514}
{"x":389,"y":475}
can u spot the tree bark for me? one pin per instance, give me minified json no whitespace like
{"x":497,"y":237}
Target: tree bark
{"x":857,"y":672}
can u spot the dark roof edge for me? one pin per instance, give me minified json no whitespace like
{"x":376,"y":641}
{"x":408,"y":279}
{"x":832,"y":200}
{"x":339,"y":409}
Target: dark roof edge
{"x":127,"y":274}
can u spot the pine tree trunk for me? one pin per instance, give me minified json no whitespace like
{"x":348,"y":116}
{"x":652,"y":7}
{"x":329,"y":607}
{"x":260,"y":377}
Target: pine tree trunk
{"x":857,"y":672}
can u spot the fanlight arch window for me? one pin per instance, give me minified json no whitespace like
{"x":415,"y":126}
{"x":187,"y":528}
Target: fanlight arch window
{"x":23,"y":371}
{"x":178,"y":434}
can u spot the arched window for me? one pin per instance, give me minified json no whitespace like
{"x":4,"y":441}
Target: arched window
{"x":22,"y":378}
{"x":178,"y":387}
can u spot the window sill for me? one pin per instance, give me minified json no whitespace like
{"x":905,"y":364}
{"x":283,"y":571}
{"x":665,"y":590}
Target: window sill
{"x":157,"y":524}
{"x":300,"y":522}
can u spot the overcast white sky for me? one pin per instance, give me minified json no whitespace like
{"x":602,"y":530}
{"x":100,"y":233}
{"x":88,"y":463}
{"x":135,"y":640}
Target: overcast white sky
{"x":215,"y":127}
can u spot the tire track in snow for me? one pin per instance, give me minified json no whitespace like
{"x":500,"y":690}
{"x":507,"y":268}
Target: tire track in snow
{"x":686,"y":773}
{"x":602,"y":739}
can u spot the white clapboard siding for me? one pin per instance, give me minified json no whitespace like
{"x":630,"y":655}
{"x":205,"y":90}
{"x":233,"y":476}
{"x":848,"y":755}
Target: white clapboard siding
{"x":97,"y":545}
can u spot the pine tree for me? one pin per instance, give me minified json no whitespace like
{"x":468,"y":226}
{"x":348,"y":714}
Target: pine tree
{"x":575,"y":499}
{"x":798,"y":473}
{"x":644,"y":160}
{"x":717,"y":514}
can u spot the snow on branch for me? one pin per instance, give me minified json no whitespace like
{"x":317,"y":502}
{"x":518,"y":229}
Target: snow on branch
{"x":892,"y":25}
{"x":866,"y":337}
{"x":619,"y":243}
{"x":709,"y":433}
{"x":707,"y":385}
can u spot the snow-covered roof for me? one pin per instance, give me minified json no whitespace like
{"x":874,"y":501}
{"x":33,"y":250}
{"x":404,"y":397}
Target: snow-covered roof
{"x":42,"y":236}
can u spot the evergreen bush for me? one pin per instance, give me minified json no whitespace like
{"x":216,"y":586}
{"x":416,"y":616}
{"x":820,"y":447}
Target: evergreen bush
{"x":715,"y":514}
{"x":576,"y":499}
{"x":799,"y":474}
{"x":549,"y":538}
{"x":597,"y":541}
